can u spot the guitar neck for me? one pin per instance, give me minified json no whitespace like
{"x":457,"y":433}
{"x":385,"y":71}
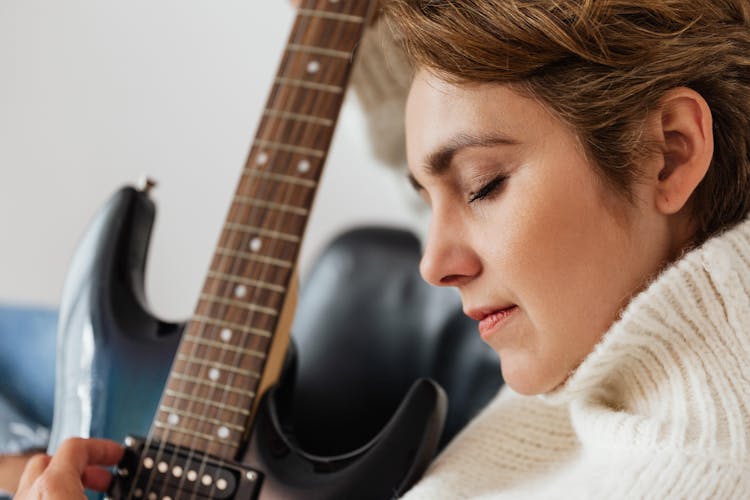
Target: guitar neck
{"x":221,"y":359}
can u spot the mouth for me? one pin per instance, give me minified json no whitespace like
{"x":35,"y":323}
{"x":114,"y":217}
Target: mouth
{"x":491,"y":319}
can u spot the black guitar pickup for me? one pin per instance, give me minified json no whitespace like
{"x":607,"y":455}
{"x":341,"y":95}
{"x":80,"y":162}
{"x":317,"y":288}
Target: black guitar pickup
{"x":158,"y":470}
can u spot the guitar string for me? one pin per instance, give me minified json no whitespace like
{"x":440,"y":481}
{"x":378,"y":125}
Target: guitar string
{"x":167,"y":431}
{"x":230,"y":236}
{"x":289,"y":132}
{"x":293,"y":131}
{"x":287,"y":190}
{"x":251,"y":268}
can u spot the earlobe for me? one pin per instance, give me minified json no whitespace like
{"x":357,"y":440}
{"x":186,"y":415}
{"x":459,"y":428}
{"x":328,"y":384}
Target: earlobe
{"x":687,"y":148}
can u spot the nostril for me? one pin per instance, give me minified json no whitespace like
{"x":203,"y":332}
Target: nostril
{"x":451,"y":279}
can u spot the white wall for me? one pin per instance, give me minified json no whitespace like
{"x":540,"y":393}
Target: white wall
{"x":94,"y":93}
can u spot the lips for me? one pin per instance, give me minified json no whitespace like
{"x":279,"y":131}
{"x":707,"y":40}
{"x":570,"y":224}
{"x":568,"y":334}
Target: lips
{"x":491,"y":319}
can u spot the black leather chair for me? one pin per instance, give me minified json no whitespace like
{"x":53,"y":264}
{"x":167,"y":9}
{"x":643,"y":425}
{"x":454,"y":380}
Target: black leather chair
{"x":366,"y":327}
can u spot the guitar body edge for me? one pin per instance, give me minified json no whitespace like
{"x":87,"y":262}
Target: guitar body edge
{"x":384,"y":468}
{"x":110,"y":349}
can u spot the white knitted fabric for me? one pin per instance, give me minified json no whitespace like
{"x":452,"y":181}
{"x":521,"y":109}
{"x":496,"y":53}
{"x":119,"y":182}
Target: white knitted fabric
{"x":660,"y":409}
{"x":381,"y":80}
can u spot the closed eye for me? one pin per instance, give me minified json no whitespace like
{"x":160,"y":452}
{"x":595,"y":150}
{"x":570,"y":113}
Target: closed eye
{"x":487,"y":189}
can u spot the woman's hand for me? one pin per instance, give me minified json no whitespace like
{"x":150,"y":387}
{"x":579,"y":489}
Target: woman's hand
{"x":75,"y":466}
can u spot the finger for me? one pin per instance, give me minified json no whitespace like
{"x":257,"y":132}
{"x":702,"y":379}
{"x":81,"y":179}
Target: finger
{"x":79,"y":453}
{"x":34,"y":468}
{"x":95,"y":478}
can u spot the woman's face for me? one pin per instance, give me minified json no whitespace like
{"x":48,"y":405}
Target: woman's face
{"x":543,"y":254}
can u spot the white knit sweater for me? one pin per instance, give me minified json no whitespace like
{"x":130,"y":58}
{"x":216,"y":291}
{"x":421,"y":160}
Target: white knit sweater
{"x":660,"y":409}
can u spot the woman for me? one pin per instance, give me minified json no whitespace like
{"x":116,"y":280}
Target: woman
{"x":587,"y":167}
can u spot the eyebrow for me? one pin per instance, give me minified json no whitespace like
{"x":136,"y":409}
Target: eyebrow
{"x":439,"y":161}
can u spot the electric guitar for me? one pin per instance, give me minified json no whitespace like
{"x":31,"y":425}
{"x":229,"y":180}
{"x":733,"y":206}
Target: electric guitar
{"x":212,"y":425}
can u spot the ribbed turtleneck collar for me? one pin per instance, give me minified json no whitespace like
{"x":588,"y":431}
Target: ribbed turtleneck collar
{"x":676,"y":367}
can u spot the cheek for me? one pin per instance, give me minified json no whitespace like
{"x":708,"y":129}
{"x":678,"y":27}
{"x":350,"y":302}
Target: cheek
{"x":560,"y":249}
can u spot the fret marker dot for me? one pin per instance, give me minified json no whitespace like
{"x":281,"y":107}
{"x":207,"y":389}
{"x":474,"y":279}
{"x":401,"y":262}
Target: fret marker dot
{"x":226,"y":335}
{"x":261,"y":159}
{"x":255,"y":244}
{"x":221,"y":484}
{"x":213,"y":374}
{"x":206,"y":480}
{"x":173,"y":419}
{"x":192,"y":475}
{"x":177,"y":471}
{"x":240,"y":291}
{"x":162,"y":467}
{"x":303,"y":166}
{"x":138,"y":493}
{"x":223,"y":432}
{"x":166,"y":498}
{"x":152,"y":496}
{"x":148,"y":463}
{"x":313,"y":67}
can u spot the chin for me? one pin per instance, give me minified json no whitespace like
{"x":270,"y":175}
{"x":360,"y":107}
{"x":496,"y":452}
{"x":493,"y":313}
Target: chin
{"x":527,"y":378}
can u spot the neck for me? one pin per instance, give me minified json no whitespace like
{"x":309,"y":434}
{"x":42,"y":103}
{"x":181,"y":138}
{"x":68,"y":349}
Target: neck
{"x":676,"y":358}
{"x":221,"y":362}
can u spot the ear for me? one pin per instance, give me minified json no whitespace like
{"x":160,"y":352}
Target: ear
{"x":686,"y":133}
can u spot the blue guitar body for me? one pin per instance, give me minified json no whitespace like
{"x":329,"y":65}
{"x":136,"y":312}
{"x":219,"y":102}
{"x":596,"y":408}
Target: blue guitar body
{"x":114,"y":357}
{"x":112,"y":352}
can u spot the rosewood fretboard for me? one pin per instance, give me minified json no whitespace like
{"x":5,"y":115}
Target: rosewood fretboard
{"x":214,"y":379}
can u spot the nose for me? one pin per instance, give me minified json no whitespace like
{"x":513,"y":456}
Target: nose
{"x":448,"y":258}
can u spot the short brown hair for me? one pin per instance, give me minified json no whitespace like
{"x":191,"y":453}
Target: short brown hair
{"x":600,"y":66}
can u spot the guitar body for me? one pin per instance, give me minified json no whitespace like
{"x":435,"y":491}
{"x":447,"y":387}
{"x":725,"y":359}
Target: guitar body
{"x":114,"y":358}
{"x":111,"y":350}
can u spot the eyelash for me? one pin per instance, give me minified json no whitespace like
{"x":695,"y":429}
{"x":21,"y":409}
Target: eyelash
{"x":487,"y":189}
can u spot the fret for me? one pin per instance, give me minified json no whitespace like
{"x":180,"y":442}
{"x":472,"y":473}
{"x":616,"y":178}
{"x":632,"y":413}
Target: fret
{"x":225,"y":347}
{"x":318,"y":51}
{"x":192,"y":399}
{"x":267,"y":251}
{"x":289,"y":148}
{"x":232,"y":326}
{"x":279,"y":235}
{"x":258,"y":189}
{"x":288,"y":133}
{"x":216,"y":364}
{"x":215,"y":299}
{"x":288,"y":115}
{"x":214,"y":385}
{"x":355,"y":7}
{"x":271,"y":301}
{"x":254,"y":257}
{"x":316,"y":68}
{"x":247,"y":281}
{"x":250,"y":214}
{"x":201,"y":418}
{"x":293,"y":82}
{"x":279,"y":207}
{"x":288,"y":179}
{"x":322,"y":14}
{"x":251,"y":269}
{"x":195,"y":434}
{"x":304,"y":102}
